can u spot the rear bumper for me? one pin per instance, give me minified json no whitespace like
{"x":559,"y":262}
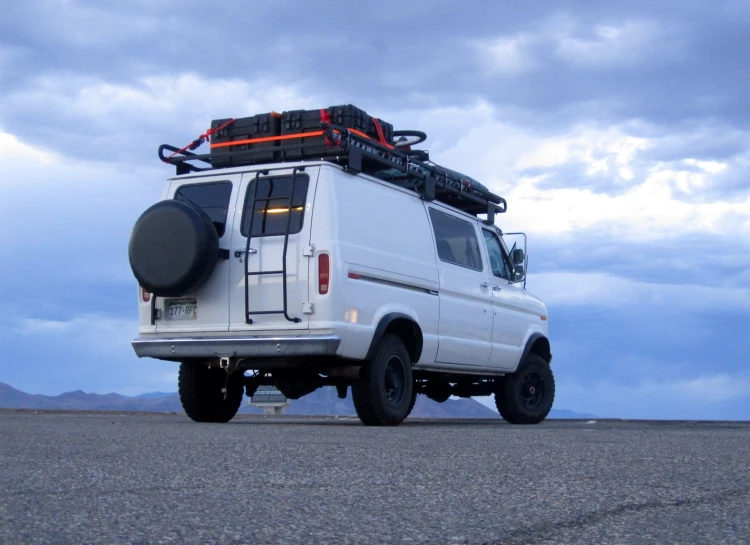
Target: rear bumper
{"x":241,"y":347}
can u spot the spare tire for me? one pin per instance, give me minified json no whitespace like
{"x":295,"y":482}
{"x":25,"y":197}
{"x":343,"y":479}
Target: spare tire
{"x":173,"y":248}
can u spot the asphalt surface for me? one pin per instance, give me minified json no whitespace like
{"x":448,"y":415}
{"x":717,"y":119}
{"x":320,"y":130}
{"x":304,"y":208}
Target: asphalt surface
{"x":160,"y":478}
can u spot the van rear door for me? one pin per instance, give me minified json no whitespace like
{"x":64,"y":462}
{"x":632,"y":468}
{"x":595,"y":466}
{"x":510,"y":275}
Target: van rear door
{"x":269,"y":277}
{"x":206,"y":309}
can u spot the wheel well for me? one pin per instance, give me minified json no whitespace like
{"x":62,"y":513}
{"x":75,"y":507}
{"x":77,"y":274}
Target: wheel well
{"x":410,"y":333}
{"x":403,"y":327}
{"x":540,"y":347}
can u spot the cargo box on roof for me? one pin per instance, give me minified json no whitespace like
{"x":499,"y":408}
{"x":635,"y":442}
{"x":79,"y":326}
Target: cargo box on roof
{"x":240,"y":130}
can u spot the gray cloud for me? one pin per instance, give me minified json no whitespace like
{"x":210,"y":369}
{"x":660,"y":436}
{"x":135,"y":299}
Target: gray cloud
{"x":670,"y":62}
{"x":704,"y":259}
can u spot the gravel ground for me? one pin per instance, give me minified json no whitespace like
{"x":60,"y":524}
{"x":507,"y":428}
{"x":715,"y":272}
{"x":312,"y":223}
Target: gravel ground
{"x":160,"y":478}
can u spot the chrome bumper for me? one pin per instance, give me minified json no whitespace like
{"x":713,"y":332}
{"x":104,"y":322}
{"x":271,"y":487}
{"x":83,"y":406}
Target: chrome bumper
{"x":241,"y":347}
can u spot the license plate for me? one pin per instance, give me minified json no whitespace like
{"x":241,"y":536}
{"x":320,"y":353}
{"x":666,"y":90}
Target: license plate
{"x":182,"y":310}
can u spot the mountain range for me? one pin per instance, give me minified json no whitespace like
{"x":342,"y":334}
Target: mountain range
{"x":322,"y":402}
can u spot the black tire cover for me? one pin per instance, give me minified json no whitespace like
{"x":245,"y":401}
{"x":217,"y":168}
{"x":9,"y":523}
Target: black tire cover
{"x":173,"y":248}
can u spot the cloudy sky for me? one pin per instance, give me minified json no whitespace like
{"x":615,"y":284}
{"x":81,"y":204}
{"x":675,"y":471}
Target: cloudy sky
{"x":619,"y":132}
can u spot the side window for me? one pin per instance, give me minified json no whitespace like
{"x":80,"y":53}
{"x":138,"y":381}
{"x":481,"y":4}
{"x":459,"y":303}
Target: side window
{"x":498,"y":263}
{"x":212,"y":198}
{"x":270,"y":213}
{"x":456,"y":240}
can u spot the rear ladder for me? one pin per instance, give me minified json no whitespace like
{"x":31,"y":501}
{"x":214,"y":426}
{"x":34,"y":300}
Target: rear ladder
{"x":255,"y":199}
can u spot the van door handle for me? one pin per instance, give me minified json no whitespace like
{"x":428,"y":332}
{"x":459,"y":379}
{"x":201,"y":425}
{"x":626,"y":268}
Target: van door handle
{"x":485,"y":285}
{"x":241,"y":253}
{"x":496,"y":288}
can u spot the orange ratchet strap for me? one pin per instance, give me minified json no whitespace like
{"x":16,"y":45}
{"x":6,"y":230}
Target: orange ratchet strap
{"x":268,"y":139}
{"x":289,"y":137}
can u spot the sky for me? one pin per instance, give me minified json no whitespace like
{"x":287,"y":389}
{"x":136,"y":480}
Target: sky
{"x":619,"y":133}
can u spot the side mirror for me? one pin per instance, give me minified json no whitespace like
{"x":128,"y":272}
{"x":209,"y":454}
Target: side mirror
{"x":518,"y":257}
{"x":519,"y":274}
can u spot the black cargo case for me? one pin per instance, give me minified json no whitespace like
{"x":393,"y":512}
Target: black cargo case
{"x":315,"y":147}
{"x":245,"y":128}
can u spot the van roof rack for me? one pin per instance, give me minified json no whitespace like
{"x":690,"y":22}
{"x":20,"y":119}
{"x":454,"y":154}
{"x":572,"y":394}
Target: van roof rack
{"x":357,"y":153}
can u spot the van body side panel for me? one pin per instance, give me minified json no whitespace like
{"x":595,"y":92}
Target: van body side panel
{"x":328,"y":308}
{"x":384,"y":259}
{"x":512,"y":322}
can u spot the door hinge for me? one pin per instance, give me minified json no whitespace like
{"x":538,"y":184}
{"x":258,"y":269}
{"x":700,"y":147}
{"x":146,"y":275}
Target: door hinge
{"x":307,"y":308}
{"x":309,"y":251}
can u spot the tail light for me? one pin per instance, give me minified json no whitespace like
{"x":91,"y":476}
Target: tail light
{"x":145,"y":295}
{"x":324,"y":273}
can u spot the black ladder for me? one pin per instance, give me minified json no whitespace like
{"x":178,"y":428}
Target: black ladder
{"x":255,"y":199}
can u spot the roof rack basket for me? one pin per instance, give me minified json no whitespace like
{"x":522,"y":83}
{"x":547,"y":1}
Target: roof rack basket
{"x":359,"y":153}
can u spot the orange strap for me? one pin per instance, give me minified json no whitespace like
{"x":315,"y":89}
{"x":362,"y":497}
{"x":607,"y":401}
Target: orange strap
{"x":360,"y":133}
{"x":288,"y":137}
{"x":268,"y":139}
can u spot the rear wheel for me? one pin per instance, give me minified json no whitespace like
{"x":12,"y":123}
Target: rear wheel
{"x":526,"y":396}
{"x":411,"y":403}
{"x":384,"y":395}
{"x":202,"y":392}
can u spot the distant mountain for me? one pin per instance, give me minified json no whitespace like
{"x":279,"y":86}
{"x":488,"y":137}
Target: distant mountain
{"x":150,"y":395}
{"x":321,"y":402}
{"x":566,"y":414}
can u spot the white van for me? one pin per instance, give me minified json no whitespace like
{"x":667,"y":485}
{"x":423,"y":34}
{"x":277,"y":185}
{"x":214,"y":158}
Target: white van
{"x":302,"y":275}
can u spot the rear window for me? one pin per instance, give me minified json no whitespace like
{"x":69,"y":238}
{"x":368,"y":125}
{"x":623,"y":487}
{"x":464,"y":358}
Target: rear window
{"x":270,"y":212}
{"x":212,"y":198}
{"x":456,"y":240}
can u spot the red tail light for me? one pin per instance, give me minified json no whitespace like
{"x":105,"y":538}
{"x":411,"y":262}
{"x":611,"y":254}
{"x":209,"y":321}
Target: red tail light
{"x":145,"y":295}
{"x":324,"y":273}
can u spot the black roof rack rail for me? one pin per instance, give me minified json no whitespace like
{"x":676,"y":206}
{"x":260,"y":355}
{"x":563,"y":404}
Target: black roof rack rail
{"x":181,"y":161}
{"x":358,"y":153}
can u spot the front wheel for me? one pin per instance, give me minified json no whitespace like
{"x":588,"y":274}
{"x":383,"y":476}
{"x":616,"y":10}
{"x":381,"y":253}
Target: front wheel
{"x":208,"y":394}
{"x":384,"y":395}
{"x":526,"y":396}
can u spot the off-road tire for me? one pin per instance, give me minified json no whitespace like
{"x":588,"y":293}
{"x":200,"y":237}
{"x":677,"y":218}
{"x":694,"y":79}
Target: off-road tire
{"x":515,"y":399}
{"x":412,"y":403}
{"x":200,"y":389}
{"x":383,"y":396}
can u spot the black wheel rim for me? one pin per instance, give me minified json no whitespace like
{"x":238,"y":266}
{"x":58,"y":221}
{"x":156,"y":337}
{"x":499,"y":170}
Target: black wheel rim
{"x":394,"y":381}
{"x":532,"y":390}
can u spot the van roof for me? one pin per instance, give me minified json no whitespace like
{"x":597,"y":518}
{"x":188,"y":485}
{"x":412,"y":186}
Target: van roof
{"x":358,"y":153}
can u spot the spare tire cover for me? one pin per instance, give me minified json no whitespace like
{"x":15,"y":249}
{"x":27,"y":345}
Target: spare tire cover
{"x":173,"y":249}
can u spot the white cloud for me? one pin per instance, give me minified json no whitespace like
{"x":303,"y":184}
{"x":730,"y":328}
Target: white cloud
{"x":12,"y":149}
{"x":603,"y":152}
{"x":620,"y":191}
{"x":648,"y":211}
{"x":712,"y":167}
{"x":157,"y":105}
{"x":506,"y":55}
{"x":610,"y":44}
{"x":603,"y":290}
